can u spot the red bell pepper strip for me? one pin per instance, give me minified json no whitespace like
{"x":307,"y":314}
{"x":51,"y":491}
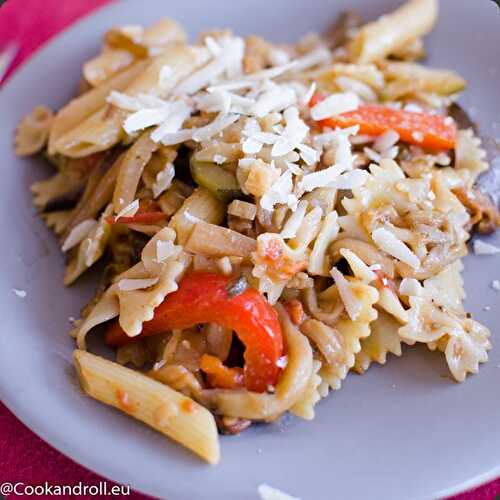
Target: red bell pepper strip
{"x":219,"y":375}
{"x":139,"y":218}
{"x":203,"y":297}
{"x":433,"y":132}
{"x":149,"y":212}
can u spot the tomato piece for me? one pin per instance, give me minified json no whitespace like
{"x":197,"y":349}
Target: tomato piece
{"x":203,"y":297}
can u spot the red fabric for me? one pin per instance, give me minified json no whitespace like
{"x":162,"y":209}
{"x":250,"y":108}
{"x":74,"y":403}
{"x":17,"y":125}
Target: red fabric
{"x":23,"y":456}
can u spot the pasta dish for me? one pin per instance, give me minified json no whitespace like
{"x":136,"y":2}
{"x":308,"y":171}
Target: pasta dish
{"x":264,"y":218}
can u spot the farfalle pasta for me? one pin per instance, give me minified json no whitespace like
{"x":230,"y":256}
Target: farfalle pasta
{"x":268,"y":217}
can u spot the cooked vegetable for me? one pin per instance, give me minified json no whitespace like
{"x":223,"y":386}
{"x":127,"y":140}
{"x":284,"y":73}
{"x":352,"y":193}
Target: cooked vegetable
{"x":203,"y":298}
{"x":148,"y":213}
{"x":422,"y":129}
{"x":219,"y":181}
{"x":217,"y":241}
{"x":200,"y":206}
{"x":219,"y":375}
{"x":242,"y":209}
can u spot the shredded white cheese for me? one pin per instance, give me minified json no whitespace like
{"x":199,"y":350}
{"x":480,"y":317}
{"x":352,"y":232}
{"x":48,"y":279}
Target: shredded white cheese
{"x":163,"y":179}
{"x":495,"y":284}
{"x":130,"y":210}
{"x":78,"y":234}
{"x":482,"y":248}
{"x":335,"y":104}
{"x":359,"y":268}
{"x":280,"y":193}
{"x":352,"y":305}
{"x":321,"y":178}
{"x":294,"y":221}
{"x":392,"y":245}
{"x":219,"y":159}
{"x":127,"y":285}
{"x":267,"y":492}
{"x":20,"y":293}
{"x":282,"y":362}
{"x":164,"y":250}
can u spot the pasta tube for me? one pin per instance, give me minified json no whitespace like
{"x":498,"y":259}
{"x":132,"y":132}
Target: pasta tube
{"x":157,"y":405}
{"x":103,"y":129}
{"x":84,"y":106}
{"x":131,"y":169}
{"x":390,"y":33}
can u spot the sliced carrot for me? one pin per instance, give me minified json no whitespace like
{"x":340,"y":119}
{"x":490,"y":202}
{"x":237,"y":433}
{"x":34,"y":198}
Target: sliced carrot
{"x":433,"y":132}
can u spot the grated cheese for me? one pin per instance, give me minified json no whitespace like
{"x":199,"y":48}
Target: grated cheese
{"x":352,"y":306}
{"x":267,"y":492}
{"x":482,"y":248}
{"x":78,"y":234}
{"x":280,"y":193}
{"x":321,"y":178}
{"x":129,"y":284}
{"x":392,"y":245}
{"x":164,"y":250}
{"x":308,"y":95}
{"x":219,"y":159}
{"x":359,"y":268}
{"x":163,"y":179}
{"x":495,"y":284}
{"x":178,"y":112}
{"x":130,"y":210}
{"x":19,"y":293}
{"x":282,"y":362}
{"x":352,"y":179}
{"x":335,"y":104}
{"x":228,"y":60}
{"x":294,"y":221}
{"x":386,"y":141}
{"x":165,"y":77}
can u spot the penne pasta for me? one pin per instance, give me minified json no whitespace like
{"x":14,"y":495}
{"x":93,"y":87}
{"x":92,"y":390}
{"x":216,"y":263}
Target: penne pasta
{"x":391,"y":32}
{"x":97,"y":195}
{"x":106,"y":65}
{"x":157,"y":405}
{"x":144,"y":42}
{"x":130,"y":171}
{"x":409,"y":78}
{"x":103,"y":129}
{"x":84,"y":106}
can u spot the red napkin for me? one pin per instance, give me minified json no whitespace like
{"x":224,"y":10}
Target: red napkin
{"x":25,"y":457}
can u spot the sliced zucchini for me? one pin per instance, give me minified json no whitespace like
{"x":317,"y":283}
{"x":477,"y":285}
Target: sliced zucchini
{"x":219,"y":181}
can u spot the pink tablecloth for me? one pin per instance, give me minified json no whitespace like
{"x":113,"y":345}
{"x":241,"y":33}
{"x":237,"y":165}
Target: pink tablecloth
{"x":25,"y":457}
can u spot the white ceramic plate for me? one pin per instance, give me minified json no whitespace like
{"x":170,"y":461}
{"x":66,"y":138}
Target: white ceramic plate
{"x":401,"y":431}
